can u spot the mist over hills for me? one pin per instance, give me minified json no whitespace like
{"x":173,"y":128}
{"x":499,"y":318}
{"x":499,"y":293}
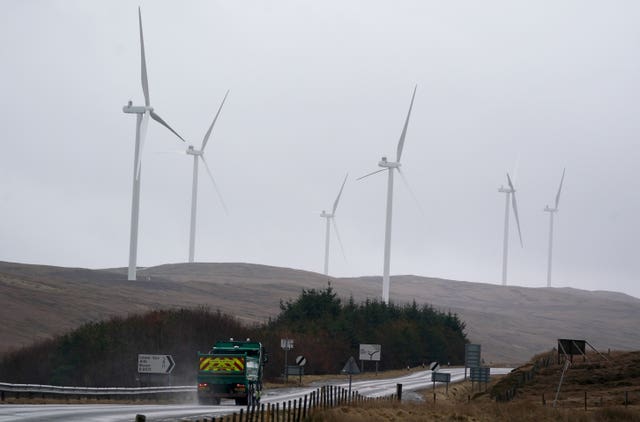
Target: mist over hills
{"x":511,"y":323}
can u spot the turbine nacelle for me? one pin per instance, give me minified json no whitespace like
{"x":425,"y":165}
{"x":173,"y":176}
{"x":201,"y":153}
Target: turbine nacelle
{"x":549,"y":209}
{"x":130,"y":108}
{"x":192,"y":151}
{"x":387,"y":164}
{"x":502,"y":189}
{"x":326,"y":214}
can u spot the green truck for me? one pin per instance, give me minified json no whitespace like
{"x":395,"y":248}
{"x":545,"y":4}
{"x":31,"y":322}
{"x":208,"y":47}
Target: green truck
{"x":231,"y":370}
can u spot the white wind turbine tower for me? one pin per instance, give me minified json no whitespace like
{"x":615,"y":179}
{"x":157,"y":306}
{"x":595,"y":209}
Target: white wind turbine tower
{"x":510,"y":197}
{"x":551,"y":212}
{"x":194,"y":191}
{"x":331,"y":218}
{"x":390,"y":166}
{"x":142,"y":113}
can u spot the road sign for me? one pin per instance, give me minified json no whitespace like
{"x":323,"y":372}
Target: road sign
{"x":472,"y":355}
{"x":370,"y":352}
{"x":295,"y":370}
{"x":480,"y":374}
{"x":434,"y":366}
{"x":440,"y":377}
{"x":301,"y":361}
{"x":351,"y":367}
{"x":286,"y":343}
{"x":155,"y":364}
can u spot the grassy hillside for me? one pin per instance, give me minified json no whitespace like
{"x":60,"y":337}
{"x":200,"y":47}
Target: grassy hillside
{"x":511,"y":323}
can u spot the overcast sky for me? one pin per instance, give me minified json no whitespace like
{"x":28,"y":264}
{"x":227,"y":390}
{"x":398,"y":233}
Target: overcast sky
{"x":319,"y":89}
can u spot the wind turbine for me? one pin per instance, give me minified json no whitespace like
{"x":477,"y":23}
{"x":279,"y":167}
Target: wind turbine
{"x":143,"y":113}
{"x":331,"y":218}
{"x":551,"y":212}
{"x":510,"y":197}
{"x":390,"y":166}
{"x":194,"y":191}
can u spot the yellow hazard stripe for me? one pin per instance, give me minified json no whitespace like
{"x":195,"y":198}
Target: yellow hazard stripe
{"x":219,"y":364}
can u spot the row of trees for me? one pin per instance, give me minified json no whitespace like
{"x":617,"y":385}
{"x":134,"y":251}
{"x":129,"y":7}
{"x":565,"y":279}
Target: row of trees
{"x":326,"y":331}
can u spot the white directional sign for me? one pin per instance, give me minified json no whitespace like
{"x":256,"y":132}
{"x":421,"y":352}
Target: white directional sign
{"x":370,"y":352}
{"x":286,"y":343}
{"x":155,"y":364}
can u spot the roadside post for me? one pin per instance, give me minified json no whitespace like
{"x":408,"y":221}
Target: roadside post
{"x":286,"y":344}
{"x":301,"y":361}
{"x":351,"y":368}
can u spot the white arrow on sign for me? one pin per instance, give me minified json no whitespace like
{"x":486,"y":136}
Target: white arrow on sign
{"x":155,"y":364}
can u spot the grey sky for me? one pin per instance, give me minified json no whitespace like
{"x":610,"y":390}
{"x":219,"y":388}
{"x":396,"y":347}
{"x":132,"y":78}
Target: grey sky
{"x":319,"y":89}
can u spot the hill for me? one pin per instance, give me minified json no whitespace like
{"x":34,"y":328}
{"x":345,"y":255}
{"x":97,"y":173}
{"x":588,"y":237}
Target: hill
{"x":511,"y":323}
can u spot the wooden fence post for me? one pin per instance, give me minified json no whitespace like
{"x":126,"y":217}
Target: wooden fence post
{"x":626,"y":399}
{"x":585,"y":400}
{"x":304,"y":412}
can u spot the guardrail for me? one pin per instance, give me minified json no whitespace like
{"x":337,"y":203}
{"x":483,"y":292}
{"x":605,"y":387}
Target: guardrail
{"x":44,"y":391}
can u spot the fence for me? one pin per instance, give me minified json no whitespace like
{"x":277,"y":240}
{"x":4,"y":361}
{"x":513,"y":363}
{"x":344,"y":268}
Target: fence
{"x":519,"y":377}
{"x":297,"y":410}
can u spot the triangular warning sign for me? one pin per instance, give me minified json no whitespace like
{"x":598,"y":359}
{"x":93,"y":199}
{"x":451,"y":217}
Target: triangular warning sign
{"x":351,"y":367}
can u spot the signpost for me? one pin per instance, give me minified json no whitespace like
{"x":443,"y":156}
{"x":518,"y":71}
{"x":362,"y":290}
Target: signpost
{"x":570,"y":347}
{"x":471,"y":357}
{"x":441,"y":377}
{"x":351,"y":368}
{"x":370,"y":352}
{"x":286,"y":344}
{"x":480,"y":374}
{"x":155,"y":364}
{"x":298,"y":368}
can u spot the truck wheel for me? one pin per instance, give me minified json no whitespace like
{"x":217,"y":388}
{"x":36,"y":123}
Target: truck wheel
{"x":216,"y":401}
{"x":241,"y":401}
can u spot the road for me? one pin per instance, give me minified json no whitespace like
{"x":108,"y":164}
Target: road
{"x":377,"y":387}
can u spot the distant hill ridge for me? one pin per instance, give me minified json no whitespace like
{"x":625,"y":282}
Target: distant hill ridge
{"x":512,"y":323}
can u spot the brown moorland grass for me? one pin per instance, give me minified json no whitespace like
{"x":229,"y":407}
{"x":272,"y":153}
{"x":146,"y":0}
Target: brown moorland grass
{"x":604,"y":381}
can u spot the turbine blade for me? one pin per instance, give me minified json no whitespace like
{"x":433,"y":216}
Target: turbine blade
{"x":335,"y":229}
{"x":371,"y":174}
{"x":560,"y":189}
{"x":335,"y":203}
{"x":215,"y":185}
{"x":143,"y":134}
{"x":404,"y":129}
{"x":413,"y":195}
{"x":158,"y":119}
{"x":145,"y":81}
{"x":510,"y":183}
{"x":206,"y":136}
{"x":515,"y":206}
{"x":515,"y":212}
